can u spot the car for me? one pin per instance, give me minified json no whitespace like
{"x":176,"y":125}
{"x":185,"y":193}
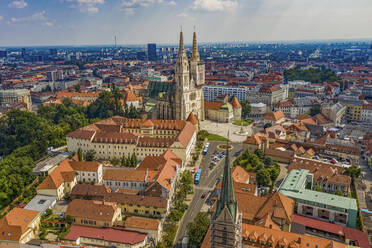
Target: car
{"x":203,"y":196}
{"x":61,"y":215}
{"x":223,"y":153}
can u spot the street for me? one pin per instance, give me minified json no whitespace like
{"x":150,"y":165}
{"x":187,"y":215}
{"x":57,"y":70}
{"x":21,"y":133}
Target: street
{"x":207,"y":182}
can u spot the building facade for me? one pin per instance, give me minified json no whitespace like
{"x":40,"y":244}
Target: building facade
{"x":175,"y":101}
{"x":117,"y":137}
{"x":13,"y":96}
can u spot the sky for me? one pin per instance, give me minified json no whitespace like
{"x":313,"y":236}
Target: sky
{"x":96,"y":22}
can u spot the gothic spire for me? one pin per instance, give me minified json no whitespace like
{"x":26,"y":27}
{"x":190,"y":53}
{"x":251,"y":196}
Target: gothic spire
{"x":195,"y":53}
{"x":227,"y":198}
{"x":181,"y":51}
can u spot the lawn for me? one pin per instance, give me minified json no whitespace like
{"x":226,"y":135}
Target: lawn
{"x":243,"y":122}
{"x":216,"y":137}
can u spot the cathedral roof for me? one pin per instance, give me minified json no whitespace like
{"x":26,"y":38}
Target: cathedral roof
{"x":235,"y":103}
{"x":192,"y":118}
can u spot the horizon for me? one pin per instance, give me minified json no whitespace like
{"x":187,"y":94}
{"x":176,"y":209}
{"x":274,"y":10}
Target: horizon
{"x":189,"y":44}
{"x":95,"y":22}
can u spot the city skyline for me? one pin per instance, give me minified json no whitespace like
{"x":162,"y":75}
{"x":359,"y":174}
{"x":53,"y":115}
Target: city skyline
{"x":96,"y":22}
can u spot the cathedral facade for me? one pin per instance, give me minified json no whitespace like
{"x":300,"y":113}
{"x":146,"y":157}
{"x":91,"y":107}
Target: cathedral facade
{"x":176,"y":100}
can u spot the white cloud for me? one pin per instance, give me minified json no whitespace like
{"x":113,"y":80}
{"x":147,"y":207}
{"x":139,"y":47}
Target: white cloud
{"x":214,"y":5}
{"x":39,"y":16}
{"x":130,"y":6}
{"x":19,"y":4}
{"x":48,"y":24}
{"x":183,"y":14}
{"x":85,"y":6}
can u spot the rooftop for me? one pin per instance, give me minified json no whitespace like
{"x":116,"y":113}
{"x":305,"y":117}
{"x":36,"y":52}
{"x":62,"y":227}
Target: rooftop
{"x":294,"y":186}
{"x":107,"y":234}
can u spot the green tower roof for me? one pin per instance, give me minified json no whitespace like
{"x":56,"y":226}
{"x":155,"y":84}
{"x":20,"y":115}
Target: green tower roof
{"x":227,"y":198}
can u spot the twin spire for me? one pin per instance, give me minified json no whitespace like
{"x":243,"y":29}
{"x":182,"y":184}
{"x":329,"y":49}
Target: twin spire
{"x":181,"y":50}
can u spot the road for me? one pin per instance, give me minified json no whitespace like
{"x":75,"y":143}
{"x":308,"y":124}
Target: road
{"x":208,"y":180}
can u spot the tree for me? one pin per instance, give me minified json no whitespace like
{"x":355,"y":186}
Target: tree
{"x":259,"y":153}
{"x":197,"y":229}
{"x":77,"y":88}
{"x":318,"y":188}
{"x":339,"y":192}
{"x":69,"y":219}
{"x":246,"y":108}
{"x":315,"y":110}
{"x":268,"y":161}
{"x":353,"y":171}
{"x":90,"y":155}
{"x":274,"y":173}
{"x":133,"y":160}
{"x":263,"y":177}
{"x":267,"y":125}
{"x":80,"y":154}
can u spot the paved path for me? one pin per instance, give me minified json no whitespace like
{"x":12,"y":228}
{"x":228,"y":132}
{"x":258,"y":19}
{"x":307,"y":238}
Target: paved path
{"x":223,"y":128}
{"x":207,"y":182}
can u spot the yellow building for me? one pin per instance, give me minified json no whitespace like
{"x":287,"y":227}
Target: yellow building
{"x":354,"y":112}
{"x":59,"y":182}
{"x":139,"y":205}
{"x":19,"y":226}
{"x":118,"y":136}
{"x":94,"y":213}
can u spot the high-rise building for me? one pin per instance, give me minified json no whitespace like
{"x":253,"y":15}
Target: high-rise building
{"x":53,"y":51}
{"x":151,"y":52}
{"x":227,"y":220}
{"x":3,"y":54}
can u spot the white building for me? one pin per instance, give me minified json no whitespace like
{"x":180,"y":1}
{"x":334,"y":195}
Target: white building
{"x":212,"y":92}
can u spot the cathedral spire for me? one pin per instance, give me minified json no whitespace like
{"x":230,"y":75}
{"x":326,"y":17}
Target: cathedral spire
{"x":195,"y":53}
{"x":181,"y":48}
{"x":227,"y":198}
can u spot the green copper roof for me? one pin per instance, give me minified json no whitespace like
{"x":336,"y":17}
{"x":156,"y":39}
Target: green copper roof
{"x":227,"y":198}
{"x":155,"y":88}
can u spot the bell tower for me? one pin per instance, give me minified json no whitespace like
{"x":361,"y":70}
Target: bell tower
{"x":227,"y":221}
{"x":182,"y":72}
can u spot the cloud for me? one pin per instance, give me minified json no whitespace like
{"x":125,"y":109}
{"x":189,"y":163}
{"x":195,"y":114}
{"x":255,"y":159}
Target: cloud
{"x":85,"y":6}
{"x":39,"y":16}
{"x":214,"y":5}
{"x":130,"y":6}
{"x":48,"y":24}
{"x":19,"y":4}
{"x":1,"y":18}
{"x":183,"y":14}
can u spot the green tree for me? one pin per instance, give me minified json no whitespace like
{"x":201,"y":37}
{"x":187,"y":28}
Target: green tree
{"x":197,"y":229}
{"x":77,"y":88}
{"x":315,"y":110}
{"x":263,"y":177}
{"x":90,"y":155}
{"x":353,"y":172}
{"x":133,"y":160}
{"x":339,"y":192}
{"x":69,"y":219}
{"x":259,"y":153}
{"x":274,"y":173}
{"x":246,"y":108}
{"x":318,"y":188}
{"x":80,"y":154}
{"x":267,"y":125}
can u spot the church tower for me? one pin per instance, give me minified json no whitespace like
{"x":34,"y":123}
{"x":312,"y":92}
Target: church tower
{"x":189,"y":78}
{"x":227,"y":221}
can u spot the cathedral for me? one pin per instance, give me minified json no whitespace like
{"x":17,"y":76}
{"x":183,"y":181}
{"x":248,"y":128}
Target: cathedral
{"x":177,"y":100}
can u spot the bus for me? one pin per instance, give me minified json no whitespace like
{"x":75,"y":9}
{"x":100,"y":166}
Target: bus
{"x":197,"y":176}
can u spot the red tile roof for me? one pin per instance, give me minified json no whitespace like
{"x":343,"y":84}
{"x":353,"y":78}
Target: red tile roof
{"x":192,"y":118}
{"x":359,"y":237}
{"x":235,"y":103}
{"x":107,"y":234}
